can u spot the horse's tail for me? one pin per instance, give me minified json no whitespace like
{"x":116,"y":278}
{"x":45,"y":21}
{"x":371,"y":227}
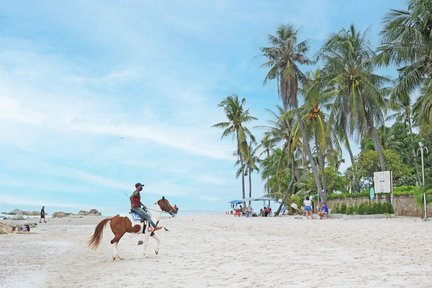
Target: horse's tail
{"x":97,"y":235}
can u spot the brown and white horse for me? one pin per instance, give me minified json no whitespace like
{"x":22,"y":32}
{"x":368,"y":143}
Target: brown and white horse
{"x":121,"y":225}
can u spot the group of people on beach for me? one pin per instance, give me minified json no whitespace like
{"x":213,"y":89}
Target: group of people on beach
{"x":249,"y":212}
{"x":308,"y":208}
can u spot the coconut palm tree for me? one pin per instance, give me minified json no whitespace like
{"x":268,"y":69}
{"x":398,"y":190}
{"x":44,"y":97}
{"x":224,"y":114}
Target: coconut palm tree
{"x":237,"y":117}
{"x":281,"y":167}
{"x":407,"y":42}
{"x":338,"y":124}
{"x":316,"y":97}
{"x":250,"y":164}
{"x":348,"y":67}
{"x":403,"y":113}
{"x":284,"y":56}
{"x":267,"y":146}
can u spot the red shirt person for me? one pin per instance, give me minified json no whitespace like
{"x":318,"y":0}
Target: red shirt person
{"x":136,"y":204}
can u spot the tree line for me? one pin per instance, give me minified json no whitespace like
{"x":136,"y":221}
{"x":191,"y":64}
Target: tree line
{"x":343,"y":102}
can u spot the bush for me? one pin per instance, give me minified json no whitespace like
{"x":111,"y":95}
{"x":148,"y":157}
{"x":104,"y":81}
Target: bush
{"x":388,"y":208}
{"x":343,"y":208}
{"x":419,"y":197}
{"x":377,"y":208}
{"x":365,"y":208}
{"x":364,"y":193}
{"x":406,"y":190}
{"x":350,"y":210}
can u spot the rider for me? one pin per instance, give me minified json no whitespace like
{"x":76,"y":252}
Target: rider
{"x":136,"y":204}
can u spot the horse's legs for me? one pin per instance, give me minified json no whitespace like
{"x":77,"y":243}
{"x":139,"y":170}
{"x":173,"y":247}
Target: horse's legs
{"x":146,"y":237}
{"x":115,"y":242}
{"x":158,"y":243}
{"x":115,"y":254}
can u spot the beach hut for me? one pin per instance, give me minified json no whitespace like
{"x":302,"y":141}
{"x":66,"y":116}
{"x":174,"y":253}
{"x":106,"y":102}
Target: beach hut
{"x":264,"y":198}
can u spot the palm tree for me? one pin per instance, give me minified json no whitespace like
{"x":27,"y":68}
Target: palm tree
{"x":284,"y":57}
{"x":407,"y":42}
{"x":237,"y":117}
{"x":339,"y":125}
{"x":316,"y":123}
{"x":282,"y":164}
{"x":348,"y":67}
{"x":267,"y":146}
{"x":251,"y":161}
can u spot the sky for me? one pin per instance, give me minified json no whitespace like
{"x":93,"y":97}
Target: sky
{"x":98,"y":95}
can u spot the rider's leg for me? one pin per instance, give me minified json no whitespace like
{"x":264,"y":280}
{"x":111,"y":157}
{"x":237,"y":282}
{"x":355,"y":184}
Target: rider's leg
{"x":144,"y":216}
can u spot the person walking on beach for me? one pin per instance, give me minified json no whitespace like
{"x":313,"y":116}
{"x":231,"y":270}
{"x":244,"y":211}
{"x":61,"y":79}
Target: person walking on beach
{"x":308,"y":207}
{"x":42,"y":215}
{"x":136,"y":204}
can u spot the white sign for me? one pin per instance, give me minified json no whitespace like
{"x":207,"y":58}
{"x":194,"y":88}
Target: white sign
{"x":383,"y":182}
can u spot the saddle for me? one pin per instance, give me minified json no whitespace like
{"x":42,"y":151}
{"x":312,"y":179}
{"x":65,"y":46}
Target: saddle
{"x":135,"y":216}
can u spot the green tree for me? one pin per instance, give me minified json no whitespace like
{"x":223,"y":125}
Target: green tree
{"x":284,"y":56}
{"x":237,"y":117}
{"x":251,"y":162}
{"x":407,"y":42}
{"x":367,"y":164}
{"x":315,"y":122}
{"x":401,"y":104}
{"x":349,"y":69}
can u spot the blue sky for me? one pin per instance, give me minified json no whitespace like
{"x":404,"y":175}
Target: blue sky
{"x":98,"y":95}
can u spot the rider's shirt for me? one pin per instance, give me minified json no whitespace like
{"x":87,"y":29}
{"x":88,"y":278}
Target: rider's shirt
{"x":135,"y":199}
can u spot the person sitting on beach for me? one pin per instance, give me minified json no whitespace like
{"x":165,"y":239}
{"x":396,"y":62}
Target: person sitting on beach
{"x":308,"y":207}
{"x":323,"y":212}
{"x":42,"y":215}
{"x":249,"y":211}
{"x":136,"y":204}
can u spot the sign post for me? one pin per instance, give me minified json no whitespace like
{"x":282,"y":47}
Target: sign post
{"x":422,"y":147}
{"x":383,"y":183}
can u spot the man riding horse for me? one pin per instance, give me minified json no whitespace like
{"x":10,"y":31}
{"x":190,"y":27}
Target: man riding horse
{"x":136,"y":204}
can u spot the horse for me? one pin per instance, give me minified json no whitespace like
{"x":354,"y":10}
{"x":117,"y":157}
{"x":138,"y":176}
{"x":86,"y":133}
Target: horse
{"x":121,"y":225}
{"x":166,"y":206}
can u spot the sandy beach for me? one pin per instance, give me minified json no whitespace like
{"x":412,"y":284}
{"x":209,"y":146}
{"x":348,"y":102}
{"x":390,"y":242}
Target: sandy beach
{"x":223,"y":251}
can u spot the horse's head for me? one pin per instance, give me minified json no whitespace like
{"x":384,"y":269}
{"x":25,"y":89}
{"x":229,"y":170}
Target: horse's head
{"x":165,"y":206}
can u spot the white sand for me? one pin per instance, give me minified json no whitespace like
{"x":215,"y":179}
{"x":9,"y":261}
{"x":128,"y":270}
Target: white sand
{"x":223,"y":251}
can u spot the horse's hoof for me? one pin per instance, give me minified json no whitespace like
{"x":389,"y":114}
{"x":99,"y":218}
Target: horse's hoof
{"x":156,"y":252}
{"x":140,"y":242}
{"x":166,"y":229}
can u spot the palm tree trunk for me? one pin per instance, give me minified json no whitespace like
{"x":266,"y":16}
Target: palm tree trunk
{"x":308,"y":150}
{"x":243,"y":185}
{"x":287,"y":192}
{"x":413,"y":151}
{"x":242,"y":172}
{"x":290,"y":185}
{"x":378,"y":147}
{"x":355,"y":183}
{"x":250,"y":186}
{"x":321,"y":164}
{"x":371,"y":128}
